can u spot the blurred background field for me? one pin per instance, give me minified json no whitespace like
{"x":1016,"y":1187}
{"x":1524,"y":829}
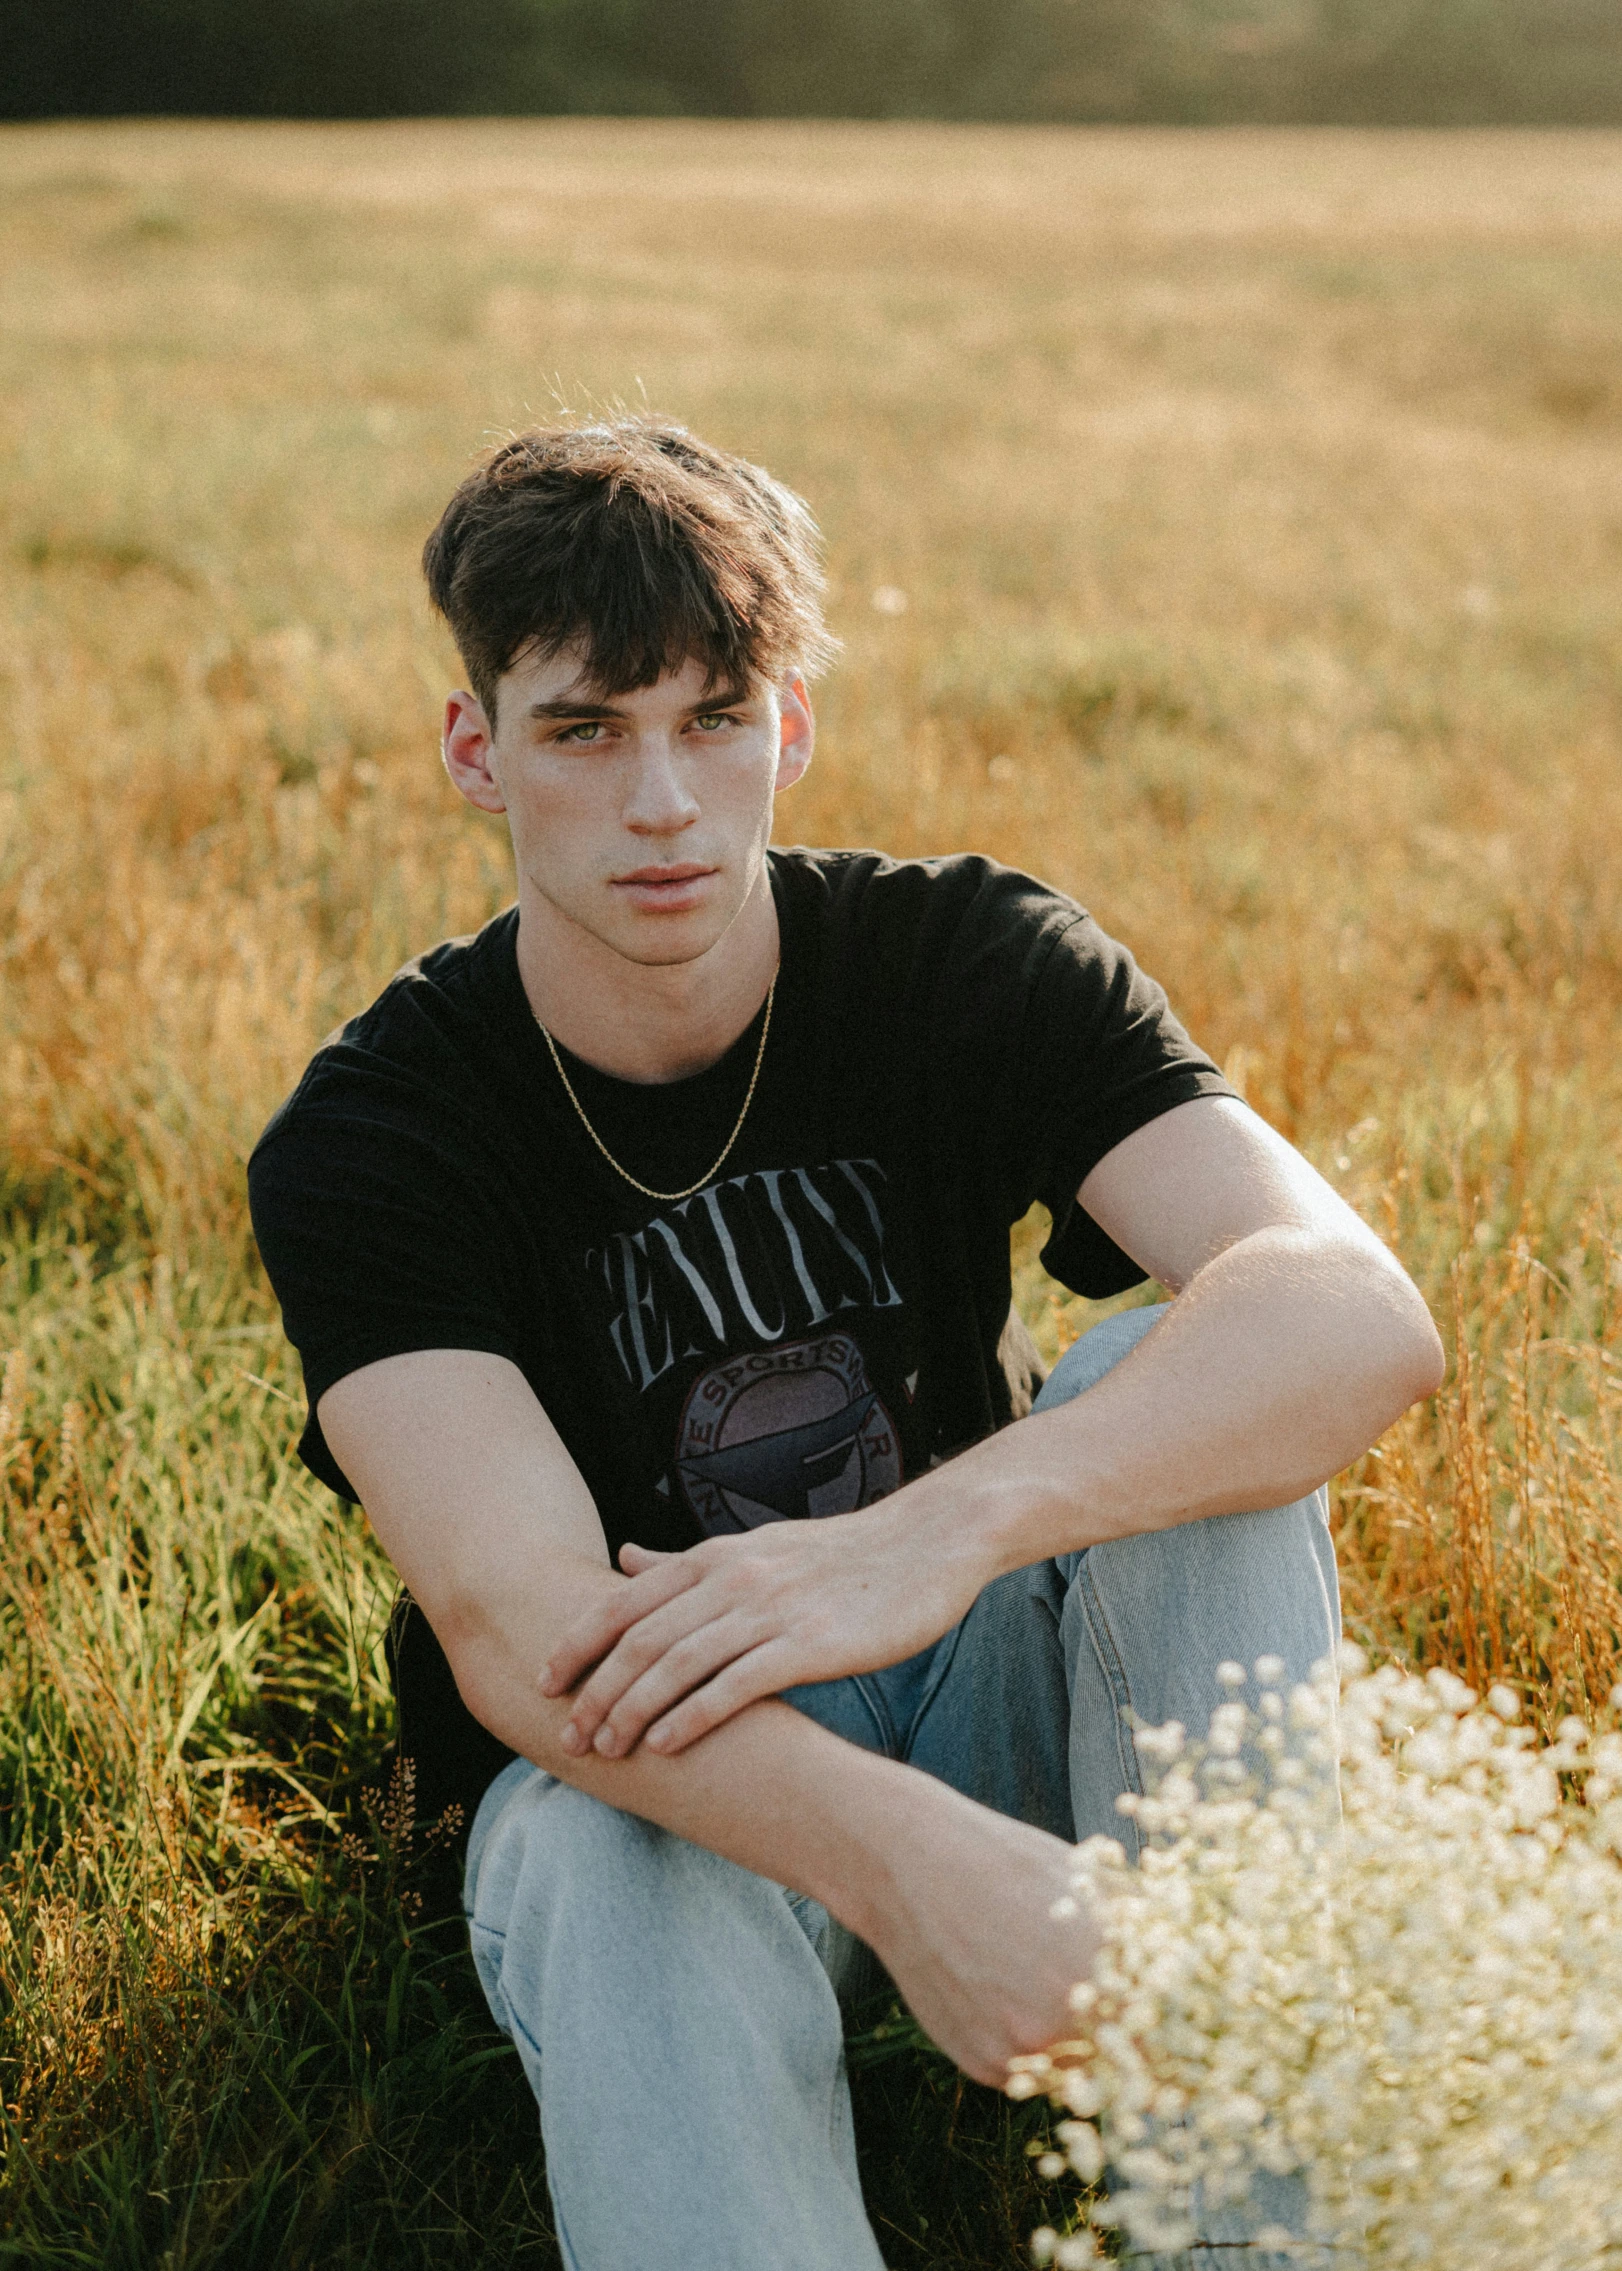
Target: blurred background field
{"x":1126,"y":62}
{"x":1226,"y":526}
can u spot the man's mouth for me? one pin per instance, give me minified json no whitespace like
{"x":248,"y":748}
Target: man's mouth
{"x":676,"y":885}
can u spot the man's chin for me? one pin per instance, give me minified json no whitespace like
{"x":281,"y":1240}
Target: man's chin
{"x":653,"y":937}
{"x":662,"y":942}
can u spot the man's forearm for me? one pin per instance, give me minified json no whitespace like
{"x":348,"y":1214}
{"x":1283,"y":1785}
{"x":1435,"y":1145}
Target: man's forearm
{"x":1283,"y":1360}
{"x":771,"y":1790}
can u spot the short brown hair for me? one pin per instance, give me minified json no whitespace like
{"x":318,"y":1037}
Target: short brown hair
{"x":640,"y":544}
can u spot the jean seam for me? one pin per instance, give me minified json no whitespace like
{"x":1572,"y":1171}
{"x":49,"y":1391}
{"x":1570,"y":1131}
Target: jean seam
{"x":1114,"y":1671}
{"x":519,"y":2026}
{"x":944,"y":1660}
{"x":879,"y":1712}
{"x":565,"y":2247}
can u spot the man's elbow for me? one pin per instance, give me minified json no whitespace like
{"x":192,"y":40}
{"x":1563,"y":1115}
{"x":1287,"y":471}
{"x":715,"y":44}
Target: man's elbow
{"x":500,"y":1685}
{"x":1420,"y":1365}
{"x":496,"y":1626}
{"x":1404,"y":1348}
{"x":471,"y":1643}
{"x":509,"y":1706}
{"x":486,"y":1696}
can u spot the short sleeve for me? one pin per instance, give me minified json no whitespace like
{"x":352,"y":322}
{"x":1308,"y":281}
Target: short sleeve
{"x":375,"y":1236}
{"x":1097,"y":1054}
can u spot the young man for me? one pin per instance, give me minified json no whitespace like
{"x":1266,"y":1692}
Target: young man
{"x":648,"y":1259}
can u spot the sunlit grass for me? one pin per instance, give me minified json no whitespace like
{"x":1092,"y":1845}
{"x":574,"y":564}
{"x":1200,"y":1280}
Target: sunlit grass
{"x":1257,"y":512}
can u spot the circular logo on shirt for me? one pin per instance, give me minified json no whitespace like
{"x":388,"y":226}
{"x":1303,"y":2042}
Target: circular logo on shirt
{"x":784,"y":1433}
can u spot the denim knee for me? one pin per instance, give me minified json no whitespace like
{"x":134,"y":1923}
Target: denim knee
{"x":1085,"y":1362}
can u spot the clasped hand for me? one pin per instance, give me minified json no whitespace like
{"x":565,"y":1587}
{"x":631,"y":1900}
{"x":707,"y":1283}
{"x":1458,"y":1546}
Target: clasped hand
{"x":694,"y":1637}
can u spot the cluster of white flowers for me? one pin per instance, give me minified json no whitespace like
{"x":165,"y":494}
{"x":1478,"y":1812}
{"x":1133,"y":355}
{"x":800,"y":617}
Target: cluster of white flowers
{"x":1416,"y":2015}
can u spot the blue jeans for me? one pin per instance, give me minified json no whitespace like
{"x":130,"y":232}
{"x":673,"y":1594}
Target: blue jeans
{"x":678,"y":2017}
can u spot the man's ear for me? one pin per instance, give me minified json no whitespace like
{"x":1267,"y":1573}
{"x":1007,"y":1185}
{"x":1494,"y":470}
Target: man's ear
{"x":798,"y":727}
{"x":467,"y":746}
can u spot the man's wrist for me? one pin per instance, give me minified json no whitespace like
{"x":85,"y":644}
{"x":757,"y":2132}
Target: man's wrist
{"x":893,"y":1818}
{"x":1002,"y":1504}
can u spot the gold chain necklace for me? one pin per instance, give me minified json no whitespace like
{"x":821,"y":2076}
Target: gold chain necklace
{"x":726,"y":1149}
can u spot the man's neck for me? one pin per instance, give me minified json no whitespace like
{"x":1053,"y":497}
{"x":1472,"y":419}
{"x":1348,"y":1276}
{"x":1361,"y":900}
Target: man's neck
{"x":646,"y":1022}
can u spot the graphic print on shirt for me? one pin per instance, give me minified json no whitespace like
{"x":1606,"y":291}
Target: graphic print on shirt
{"x":785,"y":1430}
{"x":752,"y":1259}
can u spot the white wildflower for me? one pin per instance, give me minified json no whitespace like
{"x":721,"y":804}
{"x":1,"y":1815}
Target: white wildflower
{"x":1419,"y":2013}
{"x":1083,"y":2149}
{"x":1163,"y":1744}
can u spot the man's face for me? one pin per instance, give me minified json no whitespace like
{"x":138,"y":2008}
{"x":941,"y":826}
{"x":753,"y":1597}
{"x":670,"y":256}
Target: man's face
{"x":639,"y":818}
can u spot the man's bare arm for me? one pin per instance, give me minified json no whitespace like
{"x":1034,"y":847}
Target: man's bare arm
{"x":484,"y":1514}
{"x":1297,"y":1339}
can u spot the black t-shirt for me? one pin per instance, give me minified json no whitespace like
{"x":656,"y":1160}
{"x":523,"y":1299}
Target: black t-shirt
{"x":949,"y":1042}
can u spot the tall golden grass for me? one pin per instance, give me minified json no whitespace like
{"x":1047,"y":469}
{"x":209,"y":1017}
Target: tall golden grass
{"x":1248,"y":511}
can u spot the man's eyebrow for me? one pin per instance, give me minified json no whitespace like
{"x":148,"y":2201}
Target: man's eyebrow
{"x":719,"y":698}
{"x":583,"y":708}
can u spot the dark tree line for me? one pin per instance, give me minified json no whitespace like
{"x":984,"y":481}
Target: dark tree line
{"x":1352,"y":61}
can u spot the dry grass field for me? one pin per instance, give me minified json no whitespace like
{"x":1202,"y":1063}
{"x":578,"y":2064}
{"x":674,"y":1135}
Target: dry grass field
{"x":1247,"y":515}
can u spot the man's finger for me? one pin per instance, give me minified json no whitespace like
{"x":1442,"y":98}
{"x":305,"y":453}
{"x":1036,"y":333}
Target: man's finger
{"x":749,"y":1678}
{"x":589,"y":1640}
{"x":638,"y":1650}
{"x":634,"y":1559}
{"x":686,"y":1664}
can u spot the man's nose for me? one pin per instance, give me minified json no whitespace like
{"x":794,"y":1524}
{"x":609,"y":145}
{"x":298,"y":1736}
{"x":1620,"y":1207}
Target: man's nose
{"x":661,"y":801}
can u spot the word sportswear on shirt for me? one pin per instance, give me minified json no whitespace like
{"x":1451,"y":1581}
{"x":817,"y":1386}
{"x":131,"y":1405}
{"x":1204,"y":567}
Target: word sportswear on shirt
{"x":950,"y":1041}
